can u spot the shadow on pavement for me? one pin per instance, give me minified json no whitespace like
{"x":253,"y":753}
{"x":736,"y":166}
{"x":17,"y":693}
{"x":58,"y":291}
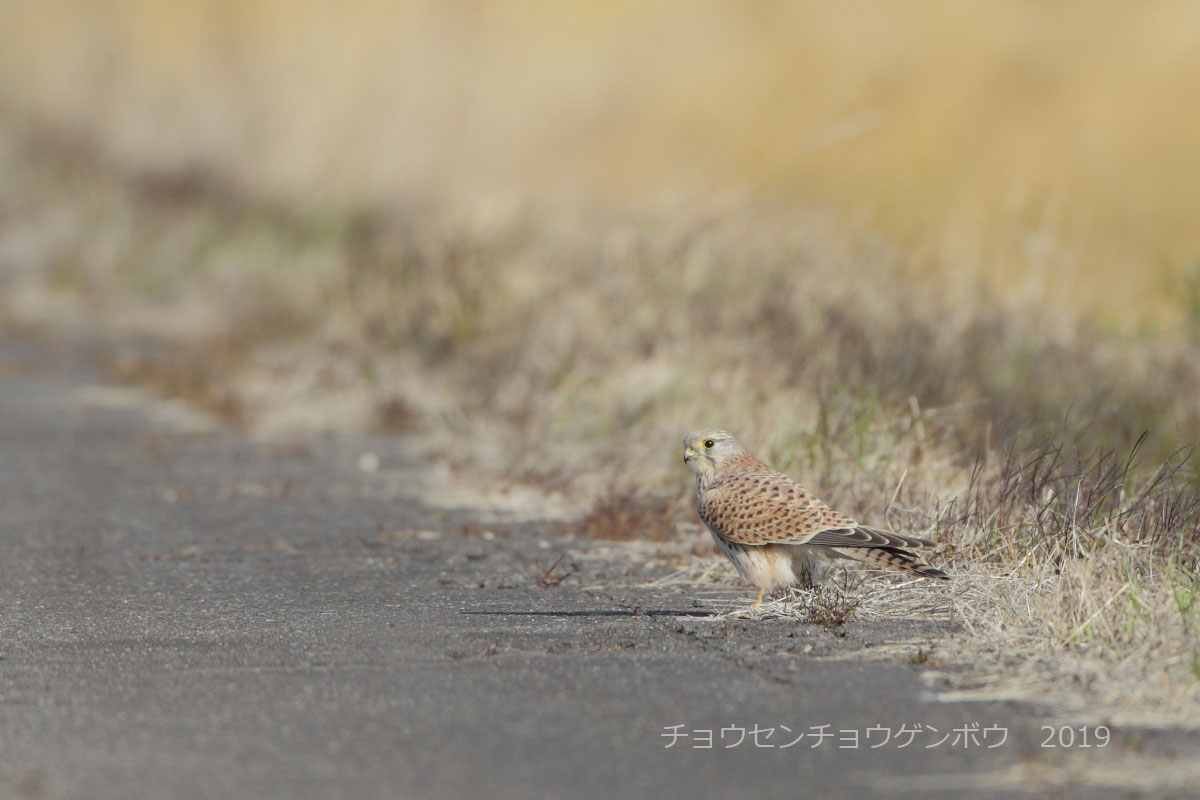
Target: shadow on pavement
{"x":596,"y":613}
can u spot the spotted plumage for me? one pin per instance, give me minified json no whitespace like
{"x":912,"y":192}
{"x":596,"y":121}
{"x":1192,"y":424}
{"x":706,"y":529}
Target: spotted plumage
{"x":773,"y":530}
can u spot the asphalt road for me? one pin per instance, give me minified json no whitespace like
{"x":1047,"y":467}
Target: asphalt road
{"x":193,"y":614}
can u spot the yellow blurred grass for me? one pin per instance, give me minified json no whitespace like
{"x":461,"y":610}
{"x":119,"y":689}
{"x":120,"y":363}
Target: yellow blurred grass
{"x":1048,"y":148}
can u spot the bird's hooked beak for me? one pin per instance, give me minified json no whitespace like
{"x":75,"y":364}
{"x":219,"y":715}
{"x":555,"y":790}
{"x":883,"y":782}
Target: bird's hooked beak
{"x":688,"y":454}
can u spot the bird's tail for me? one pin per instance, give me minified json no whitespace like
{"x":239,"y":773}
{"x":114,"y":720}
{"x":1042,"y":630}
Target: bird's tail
{"x":891,"y":558}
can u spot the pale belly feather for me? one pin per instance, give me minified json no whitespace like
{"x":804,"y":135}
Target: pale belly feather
{"x":772,"y":566}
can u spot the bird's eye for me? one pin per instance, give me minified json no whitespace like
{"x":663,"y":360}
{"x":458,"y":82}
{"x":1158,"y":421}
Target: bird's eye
{"x":708,"y":444}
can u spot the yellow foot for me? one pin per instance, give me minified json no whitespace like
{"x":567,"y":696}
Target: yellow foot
{"x":757,"y":601}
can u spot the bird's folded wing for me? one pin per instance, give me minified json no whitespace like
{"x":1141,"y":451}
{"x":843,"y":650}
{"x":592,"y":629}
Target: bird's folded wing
{"x":867,"y":537}
{"x":767,"y":507}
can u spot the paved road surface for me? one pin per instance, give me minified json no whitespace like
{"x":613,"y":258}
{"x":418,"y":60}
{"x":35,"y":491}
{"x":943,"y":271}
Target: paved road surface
{"x":196,"y":615}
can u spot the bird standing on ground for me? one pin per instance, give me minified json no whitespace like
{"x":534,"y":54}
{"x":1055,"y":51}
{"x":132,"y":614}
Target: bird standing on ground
{"x":773,"y":529}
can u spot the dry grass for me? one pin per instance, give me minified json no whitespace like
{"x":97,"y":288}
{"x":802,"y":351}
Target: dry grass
{"x":950,"y":284}
{"x":1049,"y":150}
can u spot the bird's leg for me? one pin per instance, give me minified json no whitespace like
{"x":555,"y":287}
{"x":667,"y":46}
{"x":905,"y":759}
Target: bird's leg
{"x":758,"y":600}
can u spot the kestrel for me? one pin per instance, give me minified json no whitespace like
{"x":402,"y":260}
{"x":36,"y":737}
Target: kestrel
{"x":773,"y":529}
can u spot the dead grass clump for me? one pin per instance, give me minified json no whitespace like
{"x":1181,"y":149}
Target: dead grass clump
{"x":1061,"y":502}
{"x":624,"y":516}
{"x":1076,"y":572}
{"x":199,"y":374}
{"x":205,"y":372}
{"x":550,"y":577}
{"x":830,"y":606}
{"x":395,"y":415}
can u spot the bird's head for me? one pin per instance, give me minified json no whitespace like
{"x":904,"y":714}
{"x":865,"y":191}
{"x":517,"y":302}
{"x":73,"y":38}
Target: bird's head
{"x":707,"y":451}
